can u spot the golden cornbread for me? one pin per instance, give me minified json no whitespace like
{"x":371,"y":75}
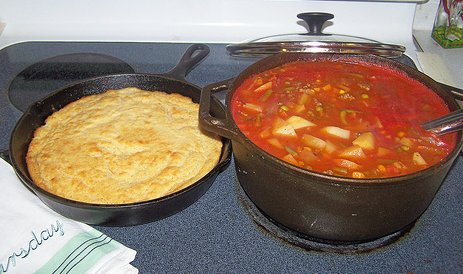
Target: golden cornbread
{"x":122,"y":146}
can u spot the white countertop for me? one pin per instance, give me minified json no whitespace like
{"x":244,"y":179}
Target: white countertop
{"x":443,"y":65}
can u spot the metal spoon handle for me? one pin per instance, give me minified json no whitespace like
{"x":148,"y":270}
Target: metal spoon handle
{"x":445,"y":124}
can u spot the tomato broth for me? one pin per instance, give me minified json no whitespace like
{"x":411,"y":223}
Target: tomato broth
{"x":341,"y":118}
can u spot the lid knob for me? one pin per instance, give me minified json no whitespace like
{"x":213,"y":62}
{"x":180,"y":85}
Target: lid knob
{"x":315,"y":21}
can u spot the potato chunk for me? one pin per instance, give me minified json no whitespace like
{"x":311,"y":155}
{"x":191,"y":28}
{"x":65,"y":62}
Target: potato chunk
{"x":418,"y":159}
{"x":290,"y":159}
{"x":365,"y":141}
{"x":384,"y":152}
{"x":307,"y":155}
{"x":298,"y":122}
{"x":353,"y":152}
{"x":313,"y":142}
{"x":336,"y":132}
{"x":330,"y":147}
{"x":346,"y":164}
{"x":282,"y":128}
{"x":274,"y":142}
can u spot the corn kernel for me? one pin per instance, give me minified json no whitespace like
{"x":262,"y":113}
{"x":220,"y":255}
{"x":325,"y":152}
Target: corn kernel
{"x":284,"y":107}
{"x":381,"y":168}
{"x":399,"y":165}
{"x":341,"y":91}
{"x":358,"y":174}
{"x":326,"y":87}
{"x":364,"y":96}
{"x":400,"y":134}
{"x":405,"y":148}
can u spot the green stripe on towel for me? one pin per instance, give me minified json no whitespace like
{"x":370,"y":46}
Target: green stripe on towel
{"x":81,"y":253}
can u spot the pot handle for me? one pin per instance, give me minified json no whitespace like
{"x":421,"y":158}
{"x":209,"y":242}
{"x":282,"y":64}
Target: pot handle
{"x":455,"y":92}
{"x":190,"y":59}
{"x":206,"y":120}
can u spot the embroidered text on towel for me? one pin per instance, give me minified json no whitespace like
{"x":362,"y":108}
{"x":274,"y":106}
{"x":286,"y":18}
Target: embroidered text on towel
{"x":37,"y":240}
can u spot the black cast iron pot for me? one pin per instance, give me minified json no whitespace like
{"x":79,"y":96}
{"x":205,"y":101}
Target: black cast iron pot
{"x":317,"y":205}
{"x":115,"y":214}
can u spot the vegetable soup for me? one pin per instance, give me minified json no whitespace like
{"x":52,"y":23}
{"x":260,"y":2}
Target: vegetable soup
{"x":341,"y":118}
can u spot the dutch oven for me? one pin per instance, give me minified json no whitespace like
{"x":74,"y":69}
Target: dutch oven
{"x":321,"y":206}
{"x":117,"y":214}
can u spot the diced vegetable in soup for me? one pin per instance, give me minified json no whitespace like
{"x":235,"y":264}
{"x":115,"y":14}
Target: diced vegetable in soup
{"x":345,"y":119}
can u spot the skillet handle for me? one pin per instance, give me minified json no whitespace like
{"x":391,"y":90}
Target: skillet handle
{"x":455,"y":92}
{"x":190,"y":59}
{"x":206,"y":120}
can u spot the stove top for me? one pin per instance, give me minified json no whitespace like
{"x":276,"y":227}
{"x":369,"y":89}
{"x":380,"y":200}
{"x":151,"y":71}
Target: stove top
{"x":218,"y":233}
{"x":46,"y":76}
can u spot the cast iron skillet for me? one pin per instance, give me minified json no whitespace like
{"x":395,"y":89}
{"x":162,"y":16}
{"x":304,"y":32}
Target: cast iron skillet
{"x":127,"y":214}
{"x":319,"y":206}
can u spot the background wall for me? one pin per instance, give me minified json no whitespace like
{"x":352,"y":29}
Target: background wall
{"x":193,"y":20}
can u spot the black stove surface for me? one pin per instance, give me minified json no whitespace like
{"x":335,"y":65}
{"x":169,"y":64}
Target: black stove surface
{"x":51,"y":74}
{"x":218,"y":233}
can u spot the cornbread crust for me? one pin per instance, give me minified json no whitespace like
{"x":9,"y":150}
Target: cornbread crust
{"x":122,"y":146}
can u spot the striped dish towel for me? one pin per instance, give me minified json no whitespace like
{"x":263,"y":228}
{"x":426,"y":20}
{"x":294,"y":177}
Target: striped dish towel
{"x":35,"y":239}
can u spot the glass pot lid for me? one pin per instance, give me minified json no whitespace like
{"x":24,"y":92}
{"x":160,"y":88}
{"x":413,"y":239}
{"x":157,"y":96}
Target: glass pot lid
{"x":314,"y":41}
